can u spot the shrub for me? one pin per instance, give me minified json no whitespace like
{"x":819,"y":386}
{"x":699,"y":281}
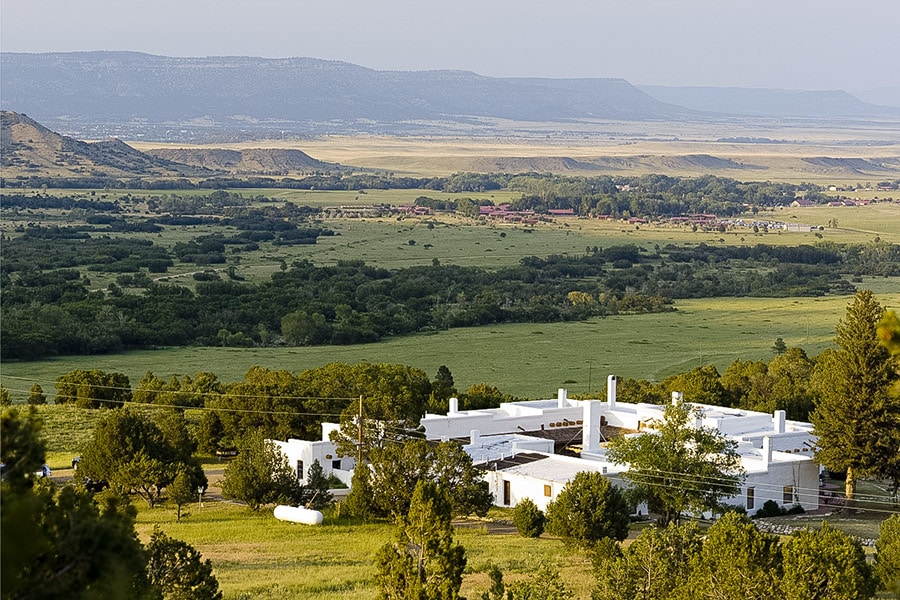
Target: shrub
{"x":528,"y":519}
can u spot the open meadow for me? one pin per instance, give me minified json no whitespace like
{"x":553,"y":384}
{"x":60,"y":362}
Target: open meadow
{"x":405,"y":241}
{"x":256,"y":556}
{"x":528,"y":360}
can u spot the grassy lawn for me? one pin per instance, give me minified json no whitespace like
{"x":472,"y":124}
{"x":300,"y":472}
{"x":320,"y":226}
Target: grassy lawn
{"x":256,"y":556}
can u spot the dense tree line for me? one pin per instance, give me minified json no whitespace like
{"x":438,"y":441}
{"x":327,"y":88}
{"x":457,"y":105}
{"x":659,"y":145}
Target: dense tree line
{"x":46,"y":201}
{"x":49,"y":312}
{"x":647,"y":195}
{"x":733,"y":560}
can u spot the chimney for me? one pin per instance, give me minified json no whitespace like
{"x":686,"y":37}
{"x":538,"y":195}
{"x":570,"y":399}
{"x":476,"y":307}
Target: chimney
{"x":561,"y":400}
{"x":767,"y":450}
{"x":454,"y":406}
{"x":474,"y":437}
{"x":590,"y":429}
{"x":779,"y":417}
{"x":611,"y":391}
{"x":677,"y":398}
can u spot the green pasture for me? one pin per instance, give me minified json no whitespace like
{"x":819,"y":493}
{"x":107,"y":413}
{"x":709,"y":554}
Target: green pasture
{"x":403,"y":241}
{"x":408,"y":241}
{"x":528,"y":360}
{"x":256,"y":556}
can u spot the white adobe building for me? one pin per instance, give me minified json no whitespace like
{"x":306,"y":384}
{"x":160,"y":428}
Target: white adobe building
{"x":776,"y":454}
{"x":301,"y":454}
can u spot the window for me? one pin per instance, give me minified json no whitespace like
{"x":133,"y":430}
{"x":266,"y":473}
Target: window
{"x":788,"y":497}
{"x":506,"y":493}
{"x":336,"y":464}
{"x":751,"y":497}
{"x":548,"y":490}
{"x":300,"y":470}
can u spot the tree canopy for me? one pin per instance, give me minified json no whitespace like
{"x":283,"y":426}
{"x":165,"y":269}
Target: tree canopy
{"x":423,"y":562}
{"x":857,"y":419}
{"x":679,"y":467}
{"x":397,"y":468}
{"x":260,"y":474}
{"x":587,"y":510}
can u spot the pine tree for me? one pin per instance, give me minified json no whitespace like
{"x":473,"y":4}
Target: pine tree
{"x":736,"y":561}
{"x":317,"y":487}
{"x":37,"y":395}
{"x":856,"y":419}
{"x":181,"y":491}
{"x":588,"y":509}
{"x":360,"y":502}
{"x":177,"y":569}
{"x":887,"y":556}
{"x":423,"y":562}
{"x":528,"y":519}
{"x":825,"y":563}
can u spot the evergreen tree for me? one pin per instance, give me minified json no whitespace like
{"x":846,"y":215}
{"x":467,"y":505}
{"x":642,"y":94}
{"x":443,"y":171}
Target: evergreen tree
{"x":825,"y":564}
{"x":260,"y":474}
{"x":887,"y":556}
{"x":423,"y":562}
{"x":736,"y":561}
{"x":36,"y":396}
{"x":497,"y":591}
{"x":442,"y":389}
{"x":134,"y":455}
{"x":528,"y":518}
{"x":656,"y":566}
{"x":182,"y":491}
{"x":588,"y":509}
{"x":177,"y":569}
{"x":857,"y":421}
{"x":544,"y":584}
{"x":317,"y":488}
{"x":60,"y":543}
{"x":779,"y":347}
{"x":360,"y":502}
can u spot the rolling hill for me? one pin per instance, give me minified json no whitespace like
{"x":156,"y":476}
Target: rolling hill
{"x":28,"y":148}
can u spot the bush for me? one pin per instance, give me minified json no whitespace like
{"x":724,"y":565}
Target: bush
{"x":771,"y":509}
{"x":588,"y":509}
{"x":528,"y":519}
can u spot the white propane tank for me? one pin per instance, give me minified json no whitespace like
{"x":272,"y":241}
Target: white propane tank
{"x":298,"y":514}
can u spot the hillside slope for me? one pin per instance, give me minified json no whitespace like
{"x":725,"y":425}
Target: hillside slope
{"x":29,"y":148}
{"x":259,"y":161}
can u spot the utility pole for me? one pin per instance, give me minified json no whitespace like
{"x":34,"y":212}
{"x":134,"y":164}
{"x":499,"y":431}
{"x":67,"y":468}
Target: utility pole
{"x":359,"y":418}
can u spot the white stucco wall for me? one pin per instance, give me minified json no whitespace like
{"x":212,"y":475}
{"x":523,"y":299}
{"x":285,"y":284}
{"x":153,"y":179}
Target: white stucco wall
{"x":324,"y":451}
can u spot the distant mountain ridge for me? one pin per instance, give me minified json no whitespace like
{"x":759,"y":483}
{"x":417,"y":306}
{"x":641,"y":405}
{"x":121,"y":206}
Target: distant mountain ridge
{"x":771,"y":102}
{"x":161,"y":95}
{"x":93,"y":95}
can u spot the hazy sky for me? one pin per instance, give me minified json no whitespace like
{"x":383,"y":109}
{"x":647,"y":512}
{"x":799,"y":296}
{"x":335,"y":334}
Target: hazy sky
{"x":795,"y":44}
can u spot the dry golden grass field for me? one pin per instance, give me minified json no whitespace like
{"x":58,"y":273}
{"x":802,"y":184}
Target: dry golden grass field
{"x":624,"y":148}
